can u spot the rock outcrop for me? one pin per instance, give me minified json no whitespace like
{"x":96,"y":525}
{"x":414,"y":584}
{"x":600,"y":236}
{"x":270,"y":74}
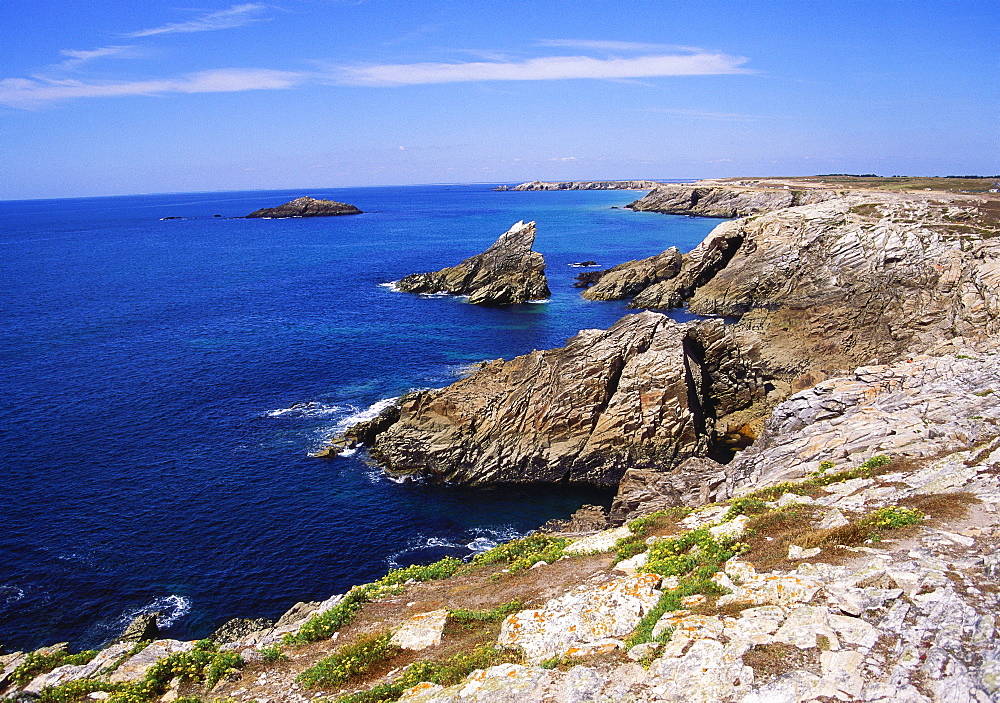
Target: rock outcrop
{"x":508,"y":272}
{"x":632,"y":277}
{"x":725,"y":201}
{"x":645,"y":393}
{"x":306,"y":207}
{"x":586,"y":185}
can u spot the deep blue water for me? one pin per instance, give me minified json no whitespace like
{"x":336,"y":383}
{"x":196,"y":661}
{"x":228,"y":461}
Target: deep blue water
{"x":163,"y":382}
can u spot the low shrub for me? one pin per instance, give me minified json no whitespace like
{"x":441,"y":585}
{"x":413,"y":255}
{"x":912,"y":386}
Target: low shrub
{"x":349,"y":662}
{"x":524,"y":553}
{"x":491,"y":615}
{"x":38,"y":663}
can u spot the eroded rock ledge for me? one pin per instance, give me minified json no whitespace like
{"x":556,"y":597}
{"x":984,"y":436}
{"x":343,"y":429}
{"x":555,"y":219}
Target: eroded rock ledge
{"x":647,"y":392}
{"x":725,"y":201}
{"x":306,"y":207}
{"x":508,"y":272}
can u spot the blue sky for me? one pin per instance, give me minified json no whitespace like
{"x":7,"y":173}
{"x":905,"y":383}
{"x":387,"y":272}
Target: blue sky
{"x":107,"y":97}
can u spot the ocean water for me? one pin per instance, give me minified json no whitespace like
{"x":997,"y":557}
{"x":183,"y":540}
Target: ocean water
{"x":164,"y":380}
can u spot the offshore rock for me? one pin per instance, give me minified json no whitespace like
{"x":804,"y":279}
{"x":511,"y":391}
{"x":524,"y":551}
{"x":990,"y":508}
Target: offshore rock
{"x":632,"y":277}
{"x":725,"y":201}
{"x":142,"y":627}
{"x":645,"y":393}
{"x":238,"y":628}
{"x":508,"y":272}
{"x":306,"y":207}
{"x":587,"y":185}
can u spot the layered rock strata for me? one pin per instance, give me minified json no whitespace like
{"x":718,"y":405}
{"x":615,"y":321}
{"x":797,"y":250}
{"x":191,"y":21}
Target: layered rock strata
{"x":632,"y":277}
{"x":306,"y":207}
{"x":645,"y":393}
{"x":508,"y":272}
{"x":725,"y":201}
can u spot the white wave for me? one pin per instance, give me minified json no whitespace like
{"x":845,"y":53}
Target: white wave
{"x":483,"y":539}
{"x":348,"y":452}
{"x":9,"y":593}
{"x":391,"y":285}
{"x":313,"y":409}
{"x":369,"y":413}
{"x":170,"y":608}
{"x":542,"y":300}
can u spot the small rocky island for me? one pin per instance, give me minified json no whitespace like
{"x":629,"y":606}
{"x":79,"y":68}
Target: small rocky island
{"x":306,"y":207}
{"x":508,"y":272}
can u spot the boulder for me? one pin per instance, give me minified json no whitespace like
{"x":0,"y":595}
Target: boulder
{"x":142,"y":627}
{"x":306,"y":207}
{"x":508,"y":272}
{"x":239,"y":628}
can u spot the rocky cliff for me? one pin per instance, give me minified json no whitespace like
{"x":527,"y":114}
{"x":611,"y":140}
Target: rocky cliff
{"x":307,"y":207}
{"x":725,"y":201}
{"x":839,"y":572}
{"x":586,"y":185}
{"x":645,"y":393}
{"x":632,"y":277}
{"x":508,"y":272}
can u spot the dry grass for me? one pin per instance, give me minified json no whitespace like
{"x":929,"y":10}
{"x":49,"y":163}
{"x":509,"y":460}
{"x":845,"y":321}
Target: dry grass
{"x":769,"y":661}
{"x":942,"y":506}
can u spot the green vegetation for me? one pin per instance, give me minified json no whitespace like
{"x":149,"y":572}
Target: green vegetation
{"x":635,"y":543}
{"x":443,"y":673}
{"x":350,"y":662}
{"x":521,"y":554}
{"x":325,"y":624}
{"x":272,"y":654}
{"x":468,"y":617}
{"x":38,"y":663}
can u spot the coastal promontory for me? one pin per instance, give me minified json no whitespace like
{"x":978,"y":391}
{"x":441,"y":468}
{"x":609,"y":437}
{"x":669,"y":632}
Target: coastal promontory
{"x":508,"y":272}
{"x":306,"y":207}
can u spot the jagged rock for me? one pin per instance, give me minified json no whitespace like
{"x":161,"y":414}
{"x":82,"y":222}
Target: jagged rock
{"x":725,"y":201}
{"x":306,"y":207}
{"x":508,"y":272}
{"x":587,"y":185}
{"x":142,"y":627}
{"x":588,"y":518}
{"x":917,"y":408}
{"x":421,"y":631}
{"x":632,"y":277}
{"x":238,"y":628}
{"x":641,"y":394}
{"x":695,"y":482}
{"x":584,"y":616}
{"x":829,"y":286}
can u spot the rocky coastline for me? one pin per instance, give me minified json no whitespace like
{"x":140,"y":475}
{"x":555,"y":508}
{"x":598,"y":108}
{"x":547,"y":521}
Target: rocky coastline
{"x":585,"y":185}
{"x":808,"y":502}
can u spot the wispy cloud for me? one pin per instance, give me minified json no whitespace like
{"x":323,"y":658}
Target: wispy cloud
{"x":23,"y":92}
{"x":700,"y":115}
{"x":235,"y":16}
{"x":79,"y":57}
{"x":542,"y":69}
{"x":600,"y":45}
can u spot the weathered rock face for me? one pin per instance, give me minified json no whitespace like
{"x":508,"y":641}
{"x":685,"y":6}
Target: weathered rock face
{"x":725,"y":201}
{"x":307,"y":207}
{"x":865,"y":278}
{"x":586,"y":185}
{"x":695,"y":482}
{"x":142,"y":627}
{"x":919,"y":408}
{"x":645,"y":393}
{"x":508,"y":272}
{"x":633,"y":277}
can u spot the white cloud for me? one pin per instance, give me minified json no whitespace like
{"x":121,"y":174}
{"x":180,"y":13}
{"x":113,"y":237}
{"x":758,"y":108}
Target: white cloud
{"x":610,"y":45}
{"x":22,"y":92}
{"x":545,"y":68}
{"x":235,"y":16}
{"x":79,"y":57}
{"x":563,"y":158}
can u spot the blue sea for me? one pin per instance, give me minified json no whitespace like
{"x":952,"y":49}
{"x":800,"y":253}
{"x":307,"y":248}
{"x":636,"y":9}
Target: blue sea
{"x":164,"y":381}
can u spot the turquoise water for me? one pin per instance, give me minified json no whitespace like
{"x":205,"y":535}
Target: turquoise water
{"x":165,"y":380}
